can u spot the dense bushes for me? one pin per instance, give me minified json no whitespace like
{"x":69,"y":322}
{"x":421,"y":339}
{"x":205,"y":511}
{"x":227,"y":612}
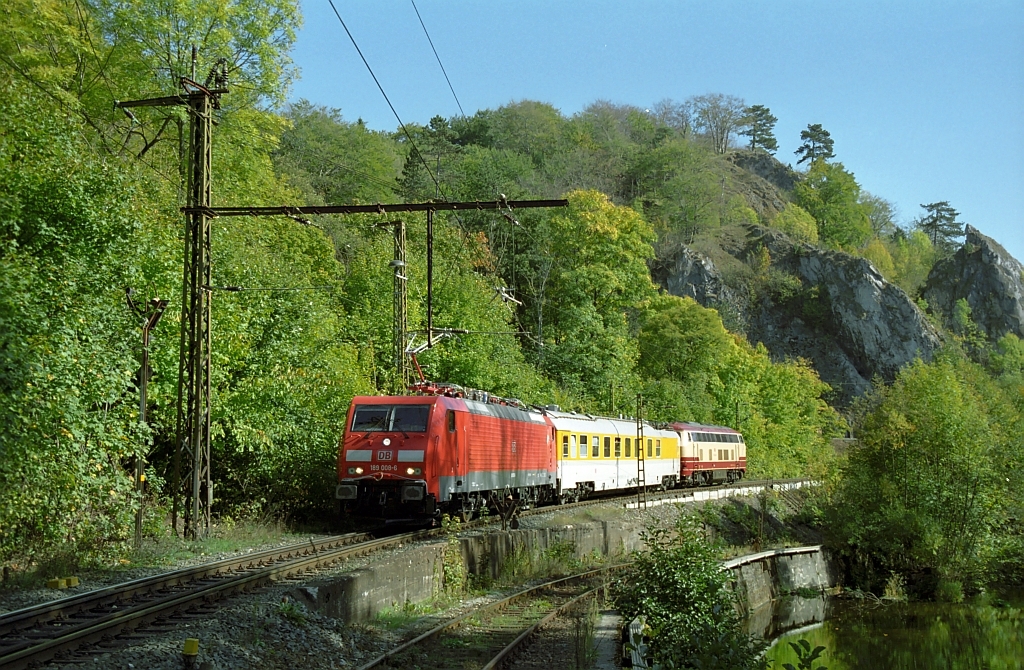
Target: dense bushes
{"x":677,"y":584}
{"x":932,"y":490}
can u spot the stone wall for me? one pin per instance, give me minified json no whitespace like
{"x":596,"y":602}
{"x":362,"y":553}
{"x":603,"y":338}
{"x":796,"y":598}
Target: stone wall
{"x":766,"y":576}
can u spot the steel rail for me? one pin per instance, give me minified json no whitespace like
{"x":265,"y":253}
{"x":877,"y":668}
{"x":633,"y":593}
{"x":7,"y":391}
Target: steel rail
{"x":520,"y":641}
{"x":105,"y":625}
{"x":495,"y":606}
{"x":61,"y":608}
{"x":668,"y":493}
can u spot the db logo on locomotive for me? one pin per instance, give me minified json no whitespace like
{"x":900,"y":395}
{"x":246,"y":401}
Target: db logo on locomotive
{"x":384,"y":455}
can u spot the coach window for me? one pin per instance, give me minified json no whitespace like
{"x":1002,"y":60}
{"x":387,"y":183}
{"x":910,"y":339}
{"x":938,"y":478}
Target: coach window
{"x":451,"y":420}
{"x":572,"y":445}
{"x":607,"y":447}
{"x":618,"y":447}
{"x":595,"y":447}
{"x":650,"y":444}
{"x":583,"y":446}
{"x":701,"y":455}
{"x":657,"y":448}
{"x":565,"y":446}
{"x":629,"y":447}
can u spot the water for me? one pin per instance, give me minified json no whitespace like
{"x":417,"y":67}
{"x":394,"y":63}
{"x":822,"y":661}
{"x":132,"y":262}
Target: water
{"x":918,"y":636}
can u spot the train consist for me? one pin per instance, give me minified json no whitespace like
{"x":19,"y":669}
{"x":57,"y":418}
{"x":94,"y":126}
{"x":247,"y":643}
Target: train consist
{"x":453,"y":450}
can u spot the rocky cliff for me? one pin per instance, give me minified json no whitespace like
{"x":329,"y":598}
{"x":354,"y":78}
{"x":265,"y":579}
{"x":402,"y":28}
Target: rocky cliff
{"x":829,"y":307}
{"x":988,"y":278}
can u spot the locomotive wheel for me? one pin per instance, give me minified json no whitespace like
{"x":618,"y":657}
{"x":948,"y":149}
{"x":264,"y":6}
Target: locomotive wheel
{"x":466,"y":515}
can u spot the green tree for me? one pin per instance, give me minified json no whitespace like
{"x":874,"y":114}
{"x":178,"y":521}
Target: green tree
{"x":718,"y":117}
{"x":795,"y":221}
{"x":70,"y":241}
{"x":336,"y":162}
{"x":761,"y":128}
{"x":913,"y":257}
{"x":881,"y":213}
{"x":677,"y":584}
{"x":598,"y":255}
{"x":940,"y":224}
{"x":832,"y":196}
{"x":1008,"y":357}
{"x":879,"y":255}
{"x":817,"y":144}
{"x":925,"y":487}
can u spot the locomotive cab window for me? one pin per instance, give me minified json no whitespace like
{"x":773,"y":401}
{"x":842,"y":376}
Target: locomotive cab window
{"x":451,"y":420}
{"x":403,"y":418}
{"x":410,"y":418}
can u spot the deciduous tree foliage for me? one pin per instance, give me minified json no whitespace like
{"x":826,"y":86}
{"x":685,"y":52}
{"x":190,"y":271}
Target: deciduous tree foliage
{"x":929,"y":483}
{"x":831,"y":195}
{"x":696,"y":369}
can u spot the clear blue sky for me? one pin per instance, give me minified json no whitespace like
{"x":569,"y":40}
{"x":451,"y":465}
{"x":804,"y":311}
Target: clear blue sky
{"x":925,"y":100}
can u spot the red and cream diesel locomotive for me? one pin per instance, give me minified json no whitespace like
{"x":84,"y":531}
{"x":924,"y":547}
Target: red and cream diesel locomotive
{"x":448,"y":449}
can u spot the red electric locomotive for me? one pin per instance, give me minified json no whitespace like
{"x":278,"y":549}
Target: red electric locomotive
{"x":408,"y":458}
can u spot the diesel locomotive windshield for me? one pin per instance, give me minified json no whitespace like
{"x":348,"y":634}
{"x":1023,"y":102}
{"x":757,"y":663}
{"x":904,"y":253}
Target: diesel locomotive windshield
{"x":397,"y":418}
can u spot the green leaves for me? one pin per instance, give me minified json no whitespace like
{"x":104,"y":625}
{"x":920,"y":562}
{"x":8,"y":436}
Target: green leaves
{"x":927,"y":487}
{"x":832,"y":196}
{"x":677,"y":585}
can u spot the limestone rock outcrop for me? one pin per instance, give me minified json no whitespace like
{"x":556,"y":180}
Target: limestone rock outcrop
{"x":984,"y":274}
{"x":833,"y":309}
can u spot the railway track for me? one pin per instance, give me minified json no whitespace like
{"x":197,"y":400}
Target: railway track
{"x":113,"y":615}
{"x":490,"y":636}
{"x":35,"y":635}
{"x":660,"y":495}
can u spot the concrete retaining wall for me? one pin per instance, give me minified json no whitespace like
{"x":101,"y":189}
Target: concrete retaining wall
{"x":488,"y":554}
{"x":768,"y":575}
{"x":414,"y":574}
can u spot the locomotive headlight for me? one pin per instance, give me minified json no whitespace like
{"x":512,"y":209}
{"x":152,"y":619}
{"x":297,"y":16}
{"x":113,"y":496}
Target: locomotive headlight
{"x":359,"y":471}
{"x":413,"y":471}
{"x":386,"y":441}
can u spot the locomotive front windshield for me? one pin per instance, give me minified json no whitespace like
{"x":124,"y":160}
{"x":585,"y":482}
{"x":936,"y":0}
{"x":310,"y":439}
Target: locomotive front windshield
{"x":387,"y":418}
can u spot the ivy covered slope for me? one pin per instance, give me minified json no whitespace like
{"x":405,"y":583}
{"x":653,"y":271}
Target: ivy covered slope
{"x":90,"y":202}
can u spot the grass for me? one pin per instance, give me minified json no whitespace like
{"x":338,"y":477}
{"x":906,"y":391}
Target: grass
{"x":394,"y":618}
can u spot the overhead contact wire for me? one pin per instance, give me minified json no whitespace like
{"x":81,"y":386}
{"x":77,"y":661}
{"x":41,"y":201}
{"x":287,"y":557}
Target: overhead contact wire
{"x":443,"y":71}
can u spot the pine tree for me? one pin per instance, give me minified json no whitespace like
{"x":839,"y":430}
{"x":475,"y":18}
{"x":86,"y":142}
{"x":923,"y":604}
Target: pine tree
{"x":817,"y":144}
{"x":940,"y":224}
{"x":761,"y":128}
